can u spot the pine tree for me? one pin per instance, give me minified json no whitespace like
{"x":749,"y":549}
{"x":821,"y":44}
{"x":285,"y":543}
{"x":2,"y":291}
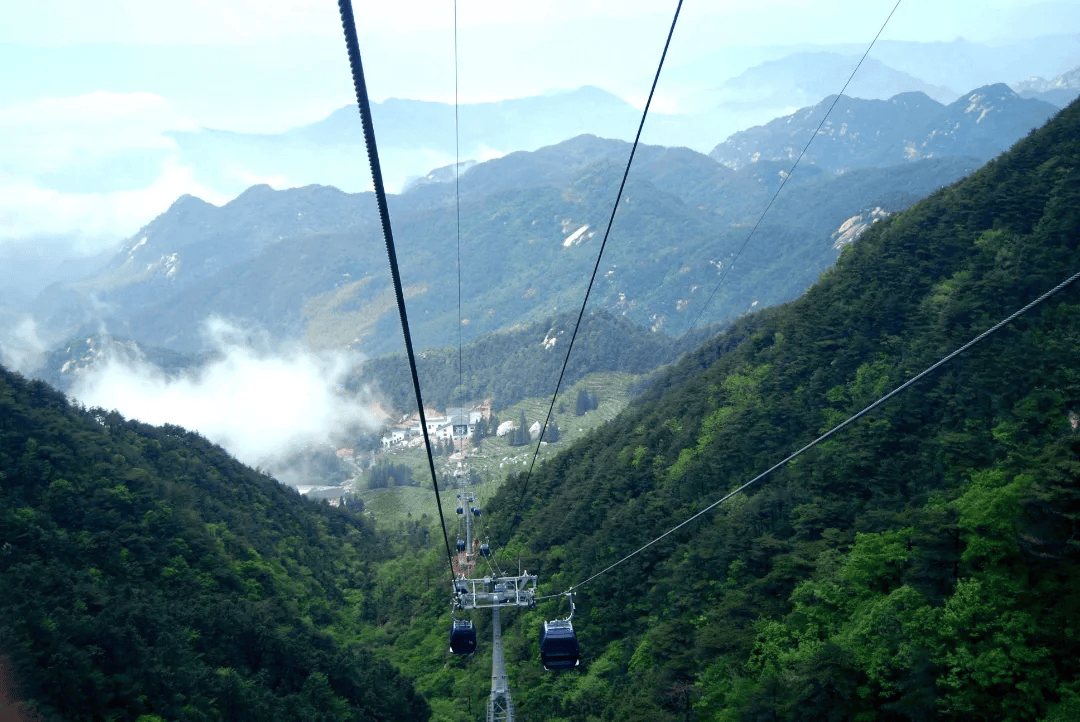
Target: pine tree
{"x":586,"y":401}
{"x":523,"y":431}
{"x":479,"y":432}
{"x":552,"y":433}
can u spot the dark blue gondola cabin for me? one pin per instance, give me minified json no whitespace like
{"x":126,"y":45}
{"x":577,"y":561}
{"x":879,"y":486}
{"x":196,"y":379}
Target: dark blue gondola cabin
{"x":462,"y":637}
{"x":559,"y":645}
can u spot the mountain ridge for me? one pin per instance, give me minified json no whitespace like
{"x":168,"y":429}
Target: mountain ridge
{"x":909,"y":126}
{"x":851,"y":581}
{"x":1061,"y":90}
{"x":314,"y":260}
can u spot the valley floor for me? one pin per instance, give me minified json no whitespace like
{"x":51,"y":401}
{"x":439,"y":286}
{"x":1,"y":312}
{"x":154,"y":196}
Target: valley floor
{"x":494,"y":459}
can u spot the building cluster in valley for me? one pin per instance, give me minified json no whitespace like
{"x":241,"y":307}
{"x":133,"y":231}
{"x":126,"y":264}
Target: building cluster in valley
{"x":333,"y":495}
{"x":457,"y":423}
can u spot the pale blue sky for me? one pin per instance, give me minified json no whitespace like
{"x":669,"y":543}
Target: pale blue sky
{"x":82,"y":81}
{"x":507,"y":49}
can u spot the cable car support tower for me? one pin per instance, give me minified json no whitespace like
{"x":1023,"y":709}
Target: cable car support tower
{"x":494,"y":593}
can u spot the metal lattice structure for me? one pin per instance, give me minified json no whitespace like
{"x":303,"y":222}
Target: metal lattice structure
{"x":467,"y":500}
{"x":500,"y":707}
{"x":495,"y":592}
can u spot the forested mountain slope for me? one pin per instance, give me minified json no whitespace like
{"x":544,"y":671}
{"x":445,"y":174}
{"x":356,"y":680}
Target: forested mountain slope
{"x":922,"y":564}
{"x":309,"y":263}
{"x":524,"y":362}
{"x":145,"y":574}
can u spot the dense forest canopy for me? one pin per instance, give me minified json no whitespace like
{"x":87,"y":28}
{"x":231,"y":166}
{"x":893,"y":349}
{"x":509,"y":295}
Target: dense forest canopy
{"x":525,"y":362}
{"x":923,"y":564}
{"x":148,"y":575}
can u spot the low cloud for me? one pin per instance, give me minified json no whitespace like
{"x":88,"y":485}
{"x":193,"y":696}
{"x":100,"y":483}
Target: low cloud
{"x":261,"y":405}
{"x":93,"y":167}
{"x":21,"y":348}
{"x":53,"y":133}
{"x":94,"y":221}
{"x":247,"y":177}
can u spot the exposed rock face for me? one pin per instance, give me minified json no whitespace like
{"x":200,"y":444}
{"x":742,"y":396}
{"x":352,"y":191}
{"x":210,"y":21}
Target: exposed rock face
{"x":876,"y":133}
{"x":853,"y":227}
{"x":1060,"y":91}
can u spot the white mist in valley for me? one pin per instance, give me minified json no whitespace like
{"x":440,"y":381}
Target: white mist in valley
{"x":262,"y":406}
{"x":20,"y":346}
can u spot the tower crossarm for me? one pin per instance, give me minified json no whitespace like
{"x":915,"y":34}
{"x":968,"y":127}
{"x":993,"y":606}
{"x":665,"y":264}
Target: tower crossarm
{"x":489,"y":592}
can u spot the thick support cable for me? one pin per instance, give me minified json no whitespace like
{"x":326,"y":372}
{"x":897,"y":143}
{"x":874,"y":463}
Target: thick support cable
{"x":930,"y":369}
{"x":596,"y":266}
{"x":353,"y":45}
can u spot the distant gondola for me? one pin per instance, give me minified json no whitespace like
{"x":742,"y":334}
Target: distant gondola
{"x":485,"y":550}
{"x":460,"y":545}
{"x":501,"y":596}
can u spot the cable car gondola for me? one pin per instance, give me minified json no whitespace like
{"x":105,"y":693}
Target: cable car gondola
{"x":462,"y":636}
{"x":476,"y":511}
{"x":558,"y":642}
{"x":559,"y":645}
{"x":485,"y":550}
{"x":460,"y":545}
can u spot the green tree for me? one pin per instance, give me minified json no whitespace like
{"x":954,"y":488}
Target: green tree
{"x":551,"y":435}
{"x":520,"y":435}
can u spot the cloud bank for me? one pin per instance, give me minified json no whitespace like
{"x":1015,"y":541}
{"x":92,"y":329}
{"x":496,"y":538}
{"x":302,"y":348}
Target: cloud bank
{"x":259,"y":405}
{"x":92,"y":168}
{"x":21,"y":348}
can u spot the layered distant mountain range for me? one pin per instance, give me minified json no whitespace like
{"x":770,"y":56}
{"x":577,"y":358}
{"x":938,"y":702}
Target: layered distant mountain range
{"x":416,"y":136}
{"x":309,"y":263}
